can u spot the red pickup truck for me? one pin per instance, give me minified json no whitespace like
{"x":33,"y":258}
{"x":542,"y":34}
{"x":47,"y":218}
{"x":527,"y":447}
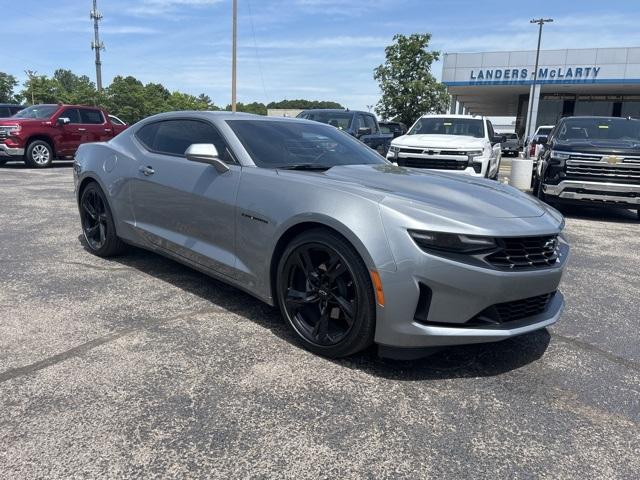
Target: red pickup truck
{"x":42,"y":133}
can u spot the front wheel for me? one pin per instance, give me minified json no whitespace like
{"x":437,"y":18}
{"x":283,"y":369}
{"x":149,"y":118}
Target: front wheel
{"x":39,"y":154}
{"x":326,"y":295}
{"x":97,"y":222}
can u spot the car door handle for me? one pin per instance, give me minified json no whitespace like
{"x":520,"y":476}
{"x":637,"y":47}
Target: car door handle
{"x":146,"y":170}
{"x":82,"y":129}
{"x":107,"y":129}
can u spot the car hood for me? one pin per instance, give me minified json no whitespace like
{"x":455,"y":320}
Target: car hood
{"x":602,"y":147}
{"x":453,"y":141}
{"x":445,"y":194}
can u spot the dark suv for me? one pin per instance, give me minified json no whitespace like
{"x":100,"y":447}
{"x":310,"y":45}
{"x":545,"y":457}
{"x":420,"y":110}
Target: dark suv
{"x":362,"y":125}
{"x":592,"y":160}
{"x":9,"y":109}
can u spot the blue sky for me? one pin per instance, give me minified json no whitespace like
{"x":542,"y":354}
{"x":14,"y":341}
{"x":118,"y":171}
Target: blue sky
{"x":314,"y":49}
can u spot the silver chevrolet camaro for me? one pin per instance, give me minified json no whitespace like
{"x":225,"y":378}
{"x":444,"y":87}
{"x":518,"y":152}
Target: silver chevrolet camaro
{"x":353,"y":249}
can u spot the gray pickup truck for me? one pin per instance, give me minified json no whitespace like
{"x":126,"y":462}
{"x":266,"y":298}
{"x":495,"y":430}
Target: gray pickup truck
{"x":362,"y":125}
{"x":511,"y":145}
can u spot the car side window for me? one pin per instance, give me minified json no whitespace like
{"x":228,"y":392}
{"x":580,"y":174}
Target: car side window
{"x":371,"y":123}
{"x":173,"y":137}
{"x":490,"y":131}
{"x":147,"y":134}
{"x":72,"y":114}
{"x":115,"y":121}
{"x":4,"y":112}
{"x":360,"y":122}
{"x":91,"y":116}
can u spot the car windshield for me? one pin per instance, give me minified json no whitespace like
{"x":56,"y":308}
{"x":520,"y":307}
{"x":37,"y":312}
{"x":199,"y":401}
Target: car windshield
{"x":340,"y":120}
{"x":470,"y":127}
{"x":544,"y":131}
{"x":291,"y":144}
{"x":37,"y":111}
{"x":600,"y":128}
{"x":385,"y":129}
{"x":511,"y":136}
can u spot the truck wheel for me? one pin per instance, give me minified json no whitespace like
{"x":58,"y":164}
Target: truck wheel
{"x":39,"y":154}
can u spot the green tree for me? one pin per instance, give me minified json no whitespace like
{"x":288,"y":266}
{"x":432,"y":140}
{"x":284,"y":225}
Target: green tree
{"x":75,"y":89}
{"x":254,"y":107}
{"x":7,"y":84}
{"x":40,"y":89}
{"x":125,"y":97}
{"x":408,"y":87}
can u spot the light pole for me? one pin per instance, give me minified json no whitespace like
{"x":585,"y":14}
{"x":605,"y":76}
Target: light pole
{"x":234,"y":54}
{"x":540,"y":22}
{"x":32,"y":75}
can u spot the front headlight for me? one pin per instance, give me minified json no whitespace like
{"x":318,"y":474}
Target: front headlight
{"x":560,"y":155}
{"x":393,"y":150}
{"x":452,"y":242}
{"x":12,"y":129}
{"x":471,"y":154}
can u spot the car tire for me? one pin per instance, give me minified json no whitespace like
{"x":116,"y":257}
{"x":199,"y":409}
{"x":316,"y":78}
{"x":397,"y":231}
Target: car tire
{"x":98,"y":226}
{"x":39,"y":154}
{"x":325,"y":294}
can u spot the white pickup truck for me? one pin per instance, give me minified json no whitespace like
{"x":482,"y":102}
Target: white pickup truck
{"x":453,"y":143}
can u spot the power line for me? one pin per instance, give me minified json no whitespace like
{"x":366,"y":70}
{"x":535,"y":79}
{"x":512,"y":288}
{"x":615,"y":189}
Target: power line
{"x":97,"y":45}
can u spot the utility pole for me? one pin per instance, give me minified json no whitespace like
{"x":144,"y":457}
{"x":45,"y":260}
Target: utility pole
{"x":97,"y":45}
{"x":233,"y":55}
{"x":540,"y":22}
{"x":31,"y":74}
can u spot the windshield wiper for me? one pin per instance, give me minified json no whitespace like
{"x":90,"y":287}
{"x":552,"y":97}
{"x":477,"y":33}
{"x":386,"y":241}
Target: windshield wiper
{"x":305,"y":166}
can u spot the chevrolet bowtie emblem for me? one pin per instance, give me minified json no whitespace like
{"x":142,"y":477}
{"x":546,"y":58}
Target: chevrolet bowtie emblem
{"x":612,"y":159}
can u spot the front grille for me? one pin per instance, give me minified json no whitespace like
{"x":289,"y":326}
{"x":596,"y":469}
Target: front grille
{"x":434,"y":163}
{"x":512,"y":311}
{"x":621,"y":171}
{"x":521,"y":253}
{"x":3,"y":134}
{"x":433,"y":151}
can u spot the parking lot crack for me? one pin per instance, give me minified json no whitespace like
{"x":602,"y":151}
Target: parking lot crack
{"x":597,"y":350}
{"x":61,"y":357}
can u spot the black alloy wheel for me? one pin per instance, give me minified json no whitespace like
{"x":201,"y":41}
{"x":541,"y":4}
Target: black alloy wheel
{"x":97,"y":222}
{"x":325,"y":293}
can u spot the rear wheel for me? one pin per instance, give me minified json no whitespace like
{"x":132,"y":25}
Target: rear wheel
{"x":97,"y":222}
{"x":326,"y":295}
{"x":39,"y":154}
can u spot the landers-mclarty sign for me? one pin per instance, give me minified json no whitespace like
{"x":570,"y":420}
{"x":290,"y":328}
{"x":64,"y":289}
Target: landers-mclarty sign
{"x":544,"y":73}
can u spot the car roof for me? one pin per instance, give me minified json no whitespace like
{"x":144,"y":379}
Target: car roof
{"x":451,"y":115}
{"x":11,"y":105}
{"x":221,"y":115}
{"x":332,"y":110}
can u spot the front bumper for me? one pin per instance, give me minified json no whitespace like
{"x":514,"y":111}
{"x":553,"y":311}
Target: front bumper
{"x":615,"y":193}
{"x":459,"y":293}
{"x":6,"y":151}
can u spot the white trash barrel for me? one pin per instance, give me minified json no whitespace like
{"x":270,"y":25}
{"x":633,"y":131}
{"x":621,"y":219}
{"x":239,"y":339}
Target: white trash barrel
{"x":521,"y":170}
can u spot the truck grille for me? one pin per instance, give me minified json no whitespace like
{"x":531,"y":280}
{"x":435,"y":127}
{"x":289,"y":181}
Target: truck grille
{"x":3,"y":134}
{"x":621,"y":171}
{"x":434,"y":163}
{"x":525,"y":253}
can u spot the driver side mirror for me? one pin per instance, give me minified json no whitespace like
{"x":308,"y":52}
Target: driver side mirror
{"x":63,"y":120}
{"x":206,"y":153}
{"x":364,"y":131}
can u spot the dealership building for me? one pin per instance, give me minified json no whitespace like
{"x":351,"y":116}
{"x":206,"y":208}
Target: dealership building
{"x":600,"y":81}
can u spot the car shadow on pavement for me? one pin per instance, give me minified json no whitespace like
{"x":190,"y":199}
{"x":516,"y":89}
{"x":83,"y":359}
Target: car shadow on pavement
{"x":604,"y":214}
{"x":13,"y":165}
{"x":468,"y":361}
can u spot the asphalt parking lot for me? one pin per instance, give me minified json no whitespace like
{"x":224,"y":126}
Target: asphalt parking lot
{"x":141,"y":367}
